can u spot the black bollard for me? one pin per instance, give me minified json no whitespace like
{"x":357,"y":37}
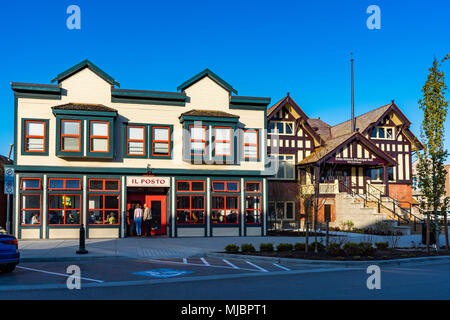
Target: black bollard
{"x":82,"y":249}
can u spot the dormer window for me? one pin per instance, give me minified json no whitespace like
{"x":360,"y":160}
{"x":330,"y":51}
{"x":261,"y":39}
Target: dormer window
{"x":382,"y":133}
{"x":281,"y":127}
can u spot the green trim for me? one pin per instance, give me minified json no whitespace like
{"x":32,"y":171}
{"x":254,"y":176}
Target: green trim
{"x":125,"y":171}
{"x":23,"y":151}
{"x":85,"y":64}
{"x":148,"y":95}
{"x":248,"y":107}
{"x":249,"y":100}
{"x":84,"y":113}
{"x":39,"y":95}
{"x":125,"y":145}
{"x":212,"y":76}
{"x":58,"y":151}
{"x":149,"y":101}
{"x":110,"y":153}
{"x":36,"y":88}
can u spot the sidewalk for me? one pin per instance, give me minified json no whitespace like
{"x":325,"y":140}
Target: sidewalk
{"x":163,"y":247}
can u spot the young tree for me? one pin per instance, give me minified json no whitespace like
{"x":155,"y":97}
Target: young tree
{"x":430,"y":169}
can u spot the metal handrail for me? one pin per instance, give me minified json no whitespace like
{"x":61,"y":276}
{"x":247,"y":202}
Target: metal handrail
{"x":379,"y":201}
{"x":396,"y":202}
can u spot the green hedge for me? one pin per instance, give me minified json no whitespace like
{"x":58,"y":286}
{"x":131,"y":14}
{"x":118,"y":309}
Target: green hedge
{"x":247,"y":247}
{"x":266,"y":247}
{"x":285,"y":247}
{"x":231,"y":248}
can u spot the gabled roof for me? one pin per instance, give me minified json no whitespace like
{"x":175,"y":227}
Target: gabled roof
{"x":84,"y":107}
{"x":332,"y":145}
{"x":303,"y":117}
{"x":82,"y":65}
{"x":362,"y":122}
{"x":321,"y":127}
{"x":212,"y":76}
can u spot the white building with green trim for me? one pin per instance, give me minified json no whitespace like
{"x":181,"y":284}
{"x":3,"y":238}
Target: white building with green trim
{"x":86,"y":152}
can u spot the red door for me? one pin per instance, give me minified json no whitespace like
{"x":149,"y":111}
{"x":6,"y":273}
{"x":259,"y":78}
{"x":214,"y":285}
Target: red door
{"x":157,"y":205}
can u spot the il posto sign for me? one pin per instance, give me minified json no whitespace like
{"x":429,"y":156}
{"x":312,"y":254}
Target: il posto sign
{"x":148,"y":182}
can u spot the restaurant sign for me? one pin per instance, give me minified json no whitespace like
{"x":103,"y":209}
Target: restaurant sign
{"x":148,"y":182}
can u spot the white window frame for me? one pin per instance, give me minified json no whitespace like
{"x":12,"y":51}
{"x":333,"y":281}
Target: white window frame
{"x":385,"y":133}
{"x":284,"y":128}
{"x":277,"y":156}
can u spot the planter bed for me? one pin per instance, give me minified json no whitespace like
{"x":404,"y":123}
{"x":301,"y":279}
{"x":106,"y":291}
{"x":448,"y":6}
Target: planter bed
{"x":385,"y":254}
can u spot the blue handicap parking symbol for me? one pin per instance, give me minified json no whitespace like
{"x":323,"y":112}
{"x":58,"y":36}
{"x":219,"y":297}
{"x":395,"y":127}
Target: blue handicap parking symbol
{"x":162,"y":273}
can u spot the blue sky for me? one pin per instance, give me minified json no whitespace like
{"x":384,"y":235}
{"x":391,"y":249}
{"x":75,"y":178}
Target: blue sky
{"x":262,"y":48}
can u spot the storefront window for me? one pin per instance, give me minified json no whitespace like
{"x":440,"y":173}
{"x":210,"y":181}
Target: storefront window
{"x":104,"y":209}
{"x":225,"y":210}
{"x":30,"y":207}
{"x":64,"y":184}
{"x":225,"y":186}
{"x":30,"y":184}
{"x":104,"y":185}
{"x":190,"y":209}
{"x":196,"y":186}
{"x":253,"y":186}
{"x":253,"y":209}
{"x":64,"y":209}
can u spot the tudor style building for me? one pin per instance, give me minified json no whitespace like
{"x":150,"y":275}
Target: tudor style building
{"x":352,"y":168}
{"x":87,"y":151}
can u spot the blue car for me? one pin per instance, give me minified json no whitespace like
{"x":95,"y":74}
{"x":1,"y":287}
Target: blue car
{"x":9,"y":252}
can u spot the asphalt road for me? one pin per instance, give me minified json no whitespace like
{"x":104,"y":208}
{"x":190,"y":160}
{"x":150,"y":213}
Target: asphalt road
{"x":200,"y":279}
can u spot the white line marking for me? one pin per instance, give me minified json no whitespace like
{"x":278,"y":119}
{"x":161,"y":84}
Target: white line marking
{"x":205,"y":262}
{"x":257,"y":267}
{"x":198,"y":265}
{"x":58,"y":274}
{"x":230,"y":264}
{"x":281,"y":267}
{"x":184,"y":260}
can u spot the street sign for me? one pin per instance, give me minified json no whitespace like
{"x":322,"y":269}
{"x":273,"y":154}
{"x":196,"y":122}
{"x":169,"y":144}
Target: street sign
{"x":9,"y":180}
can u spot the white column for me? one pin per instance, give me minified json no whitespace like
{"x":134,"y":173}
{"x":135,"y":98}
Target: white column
{"x":124,"y":213}
{"x":173,"y":209}
{"x":264,"y":206}
{"x":85,"y":202}
{"x":44,"y":207}
{"x":208,"y":207}
{"x":242,"y":206}
{"x":17,"y":207}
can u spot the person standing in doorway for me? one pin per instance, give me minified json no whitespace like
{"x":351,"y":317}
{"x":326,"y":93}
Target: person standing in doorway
{"x":131,"y":220}
{"x":147,"y":220}
{"x":138,"y":213}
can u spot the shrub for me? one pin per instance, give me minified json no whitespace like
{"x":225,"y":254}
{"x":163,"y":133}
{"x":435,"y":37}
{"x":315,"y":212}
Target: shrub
{"x":312,"y":246}
{"x":381,"y":245}
{"x":348,"y":225}
{"x":247,"y":247}
{"x":284,"y":247}
{"x":231,"y":248}
{"x":334,"y":249}
{"x":351,"y":249}
{"x":266,"y":247}
{"x":300,"y":247}
{"x":366,"y":248}
{"x":356,"y":258}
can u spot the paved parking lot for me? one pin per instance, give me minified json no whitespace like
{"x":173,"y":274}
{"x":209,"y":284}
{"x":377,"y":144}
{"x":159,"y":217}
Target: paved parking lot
{"x":125,"y":271}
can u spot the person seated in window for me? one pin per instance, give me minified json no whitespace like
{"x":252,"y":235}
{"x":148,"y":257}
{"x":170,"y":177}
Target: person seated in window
{"x":70,"y":219}
{"x":111,"y":219}
{"x":35,"y":219}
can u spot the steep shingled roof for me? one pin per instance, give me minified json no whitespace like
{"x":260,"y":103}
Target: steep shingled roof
{"x":362,"y":121}
{"x":321,"y":127}
{"x":209,"y":113}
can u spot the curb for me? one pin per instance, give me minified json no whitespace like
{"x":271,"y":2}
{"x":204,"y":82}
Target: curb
{"x":68,"y":258}
{"x":329,"y":262}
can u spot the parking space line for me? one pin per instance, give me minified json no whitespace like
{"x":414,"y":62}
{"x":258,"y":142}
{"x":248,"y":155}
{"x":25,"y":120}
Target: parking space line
{"x":198,"y":265}
{"x":257,"y":267}
{"x":230,"y":264}
{"x":281,"y":267}
{"x":205,"y":262}
{"x":59,"y":274}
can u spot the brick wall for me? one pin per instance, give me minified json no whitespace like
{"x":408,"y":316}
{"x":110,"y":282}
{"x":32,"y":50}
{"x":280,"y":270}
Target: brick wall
{"x":401,"y":192}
